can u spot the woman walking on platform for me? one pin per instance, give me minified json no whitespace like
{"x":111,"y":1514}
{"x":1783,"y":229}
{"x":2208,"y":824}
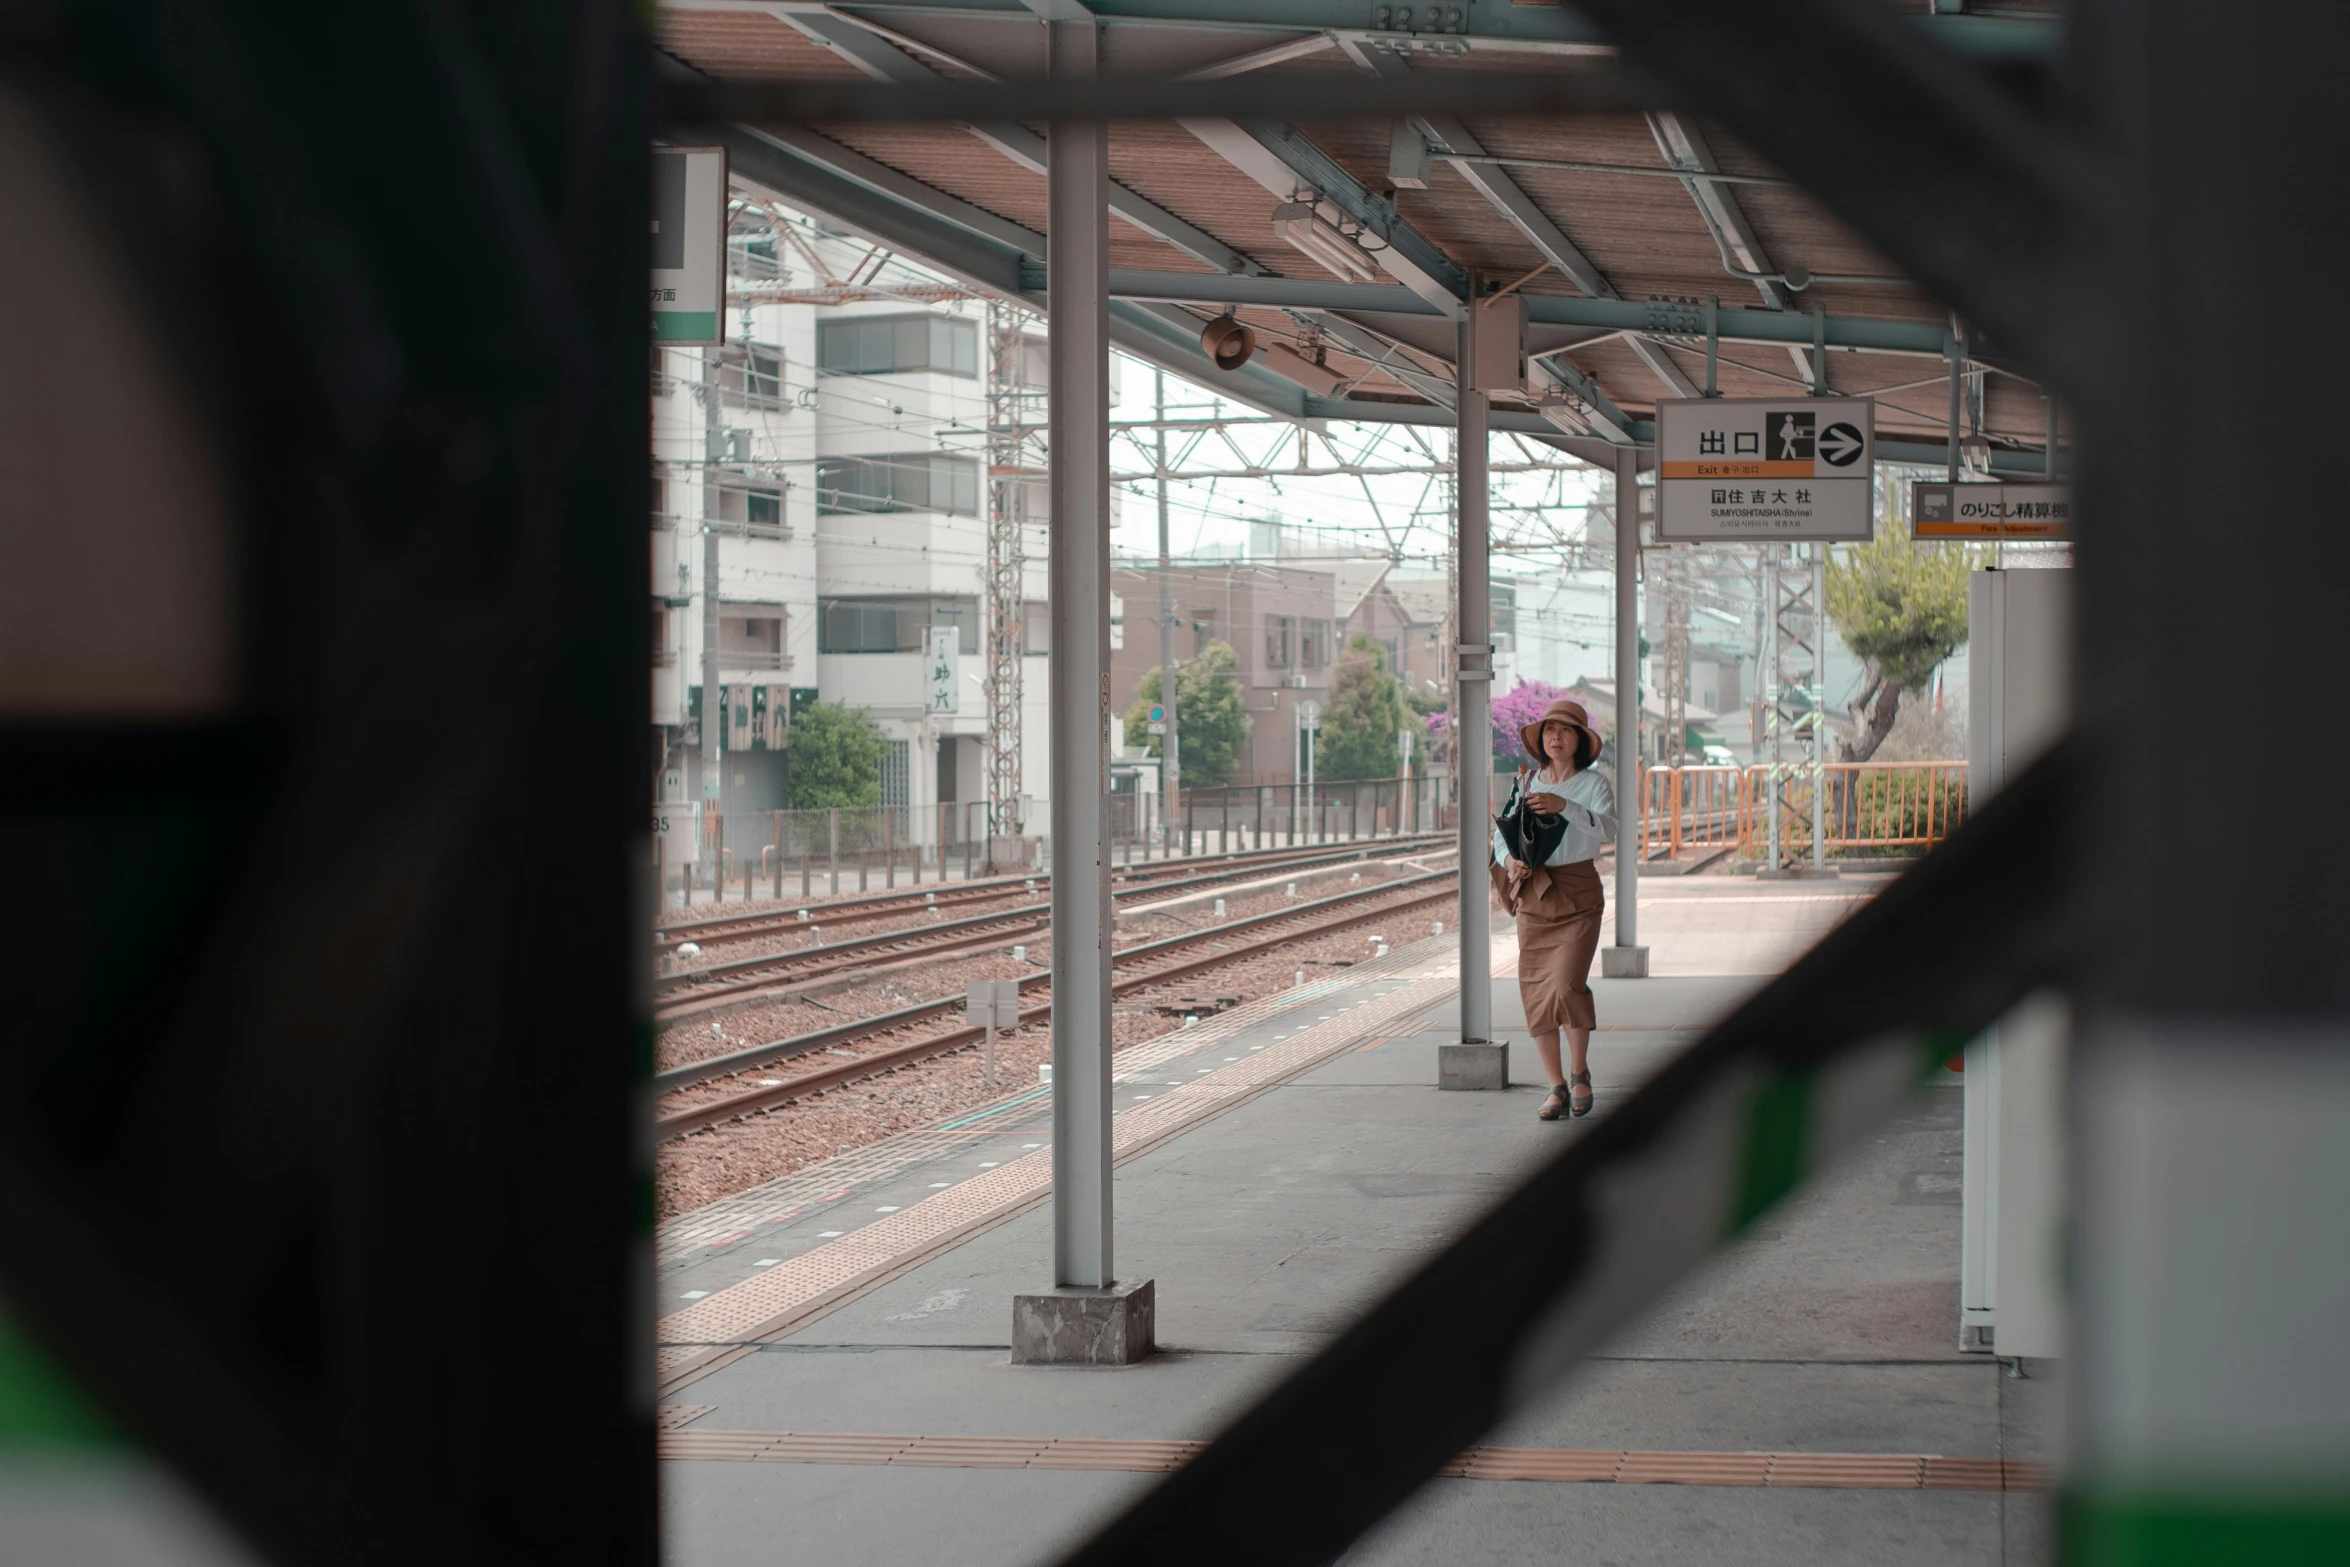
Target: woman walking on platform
{"x":1558,"y":820}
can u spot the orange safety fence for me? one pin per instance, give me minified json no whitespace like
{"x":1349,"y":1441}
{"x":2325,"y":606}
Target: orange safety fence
{"x":1687,"y":811}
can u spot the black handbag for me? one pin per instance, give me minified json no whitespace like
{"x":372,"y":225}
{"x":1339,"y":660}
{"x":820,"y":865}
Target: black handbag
{"x":1530,"y":837}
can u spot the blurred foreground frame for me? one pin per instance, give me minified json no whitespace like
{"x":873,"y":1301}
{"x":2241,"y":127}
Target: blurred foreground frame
{"x":285,"y":971}
{"x":326,"y":343}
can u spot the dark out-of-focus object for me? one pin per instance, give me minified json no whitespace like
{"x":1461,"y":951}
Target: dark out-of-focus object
{"x":321,"y":456}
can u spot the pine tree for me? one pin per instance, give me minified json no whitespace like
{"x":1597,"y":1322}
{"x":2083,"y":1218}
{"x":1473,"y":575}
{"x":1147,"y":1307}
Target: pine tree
{"x":1901,"y":607}
{"x":1212,"y":723}
{"x":1360,"y":717}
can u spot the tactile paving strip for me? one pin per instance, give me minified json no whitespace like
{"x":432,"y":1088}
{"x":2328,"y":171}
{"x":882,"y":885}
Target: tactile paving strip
{"x":1569,"y":1466}
{"x":795,"y":1291}
{"x":735,"y":1218}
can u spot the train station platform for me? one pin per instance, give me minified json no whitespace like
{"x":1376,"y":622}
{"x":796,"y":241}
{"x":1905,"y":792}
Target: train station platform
{"x":836,"y":1364}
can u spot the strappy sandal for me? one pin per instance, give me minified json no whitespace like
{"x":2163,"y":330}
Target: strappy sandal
{"x":1574,"y":1080}
{"x":1558,"y":1105}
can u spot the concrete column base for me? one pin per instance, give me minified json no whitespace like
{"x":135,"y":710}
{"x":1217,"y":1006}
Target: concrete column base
{"x":1472,"y":1066}
{"x":1623,"y":963}
{"x":1115,"y":1326}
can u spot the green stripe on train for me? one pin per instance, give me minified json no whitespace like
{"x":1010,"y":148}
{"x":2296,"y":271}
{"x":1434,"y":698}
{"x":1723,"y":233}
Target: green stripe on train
{"x":39,"y":1406}
{"x":1775,"y":1151}
{"x":2178,"y":1526}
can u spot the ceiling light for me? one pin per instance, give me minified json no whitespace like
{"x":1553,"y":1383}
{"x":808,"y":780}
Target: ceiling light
{"x":1324,"y":241}
{"x":1563,"y":411}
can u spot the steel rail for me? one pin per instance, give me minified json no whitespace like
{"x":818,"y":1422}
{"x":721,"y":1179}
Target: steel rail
{"x":835,"y":957}
{"x":743,"y":927}
{"x":721,"y":1066}
{"x":700,"y":1117}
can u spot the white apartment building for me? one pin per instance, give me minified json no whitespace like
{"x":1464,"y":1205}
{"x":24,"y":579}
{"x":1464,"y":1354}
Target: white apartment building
{"x":851,"y":523}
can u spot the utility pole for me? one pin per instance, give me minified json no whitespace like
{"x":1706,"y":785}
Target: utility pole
{"x":1171,"y":762}
{"x":713,"y":452}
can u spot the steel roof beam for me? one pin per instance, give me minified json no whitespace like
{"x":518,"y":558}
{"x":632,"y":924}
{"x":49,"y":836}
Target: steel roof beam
{"x":1684,"y":147}
{"x":988,"y":253}
{"x":882,"y":59}
{"x":1508,"y":25}
{"x":1282,"y":159}
{"x":1610,"y":315}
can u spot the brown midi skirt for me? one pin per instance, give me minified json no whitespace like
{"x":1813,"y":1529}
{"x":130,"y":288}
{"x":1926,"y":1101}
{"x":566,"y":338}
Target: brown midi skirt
{"x":1559,"y":908}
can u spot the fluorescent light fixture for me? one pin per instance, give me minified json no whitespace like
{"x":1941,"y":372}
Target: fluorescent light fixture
{"x":1299,"y":224}
{"x":1563,"y":411}
{"x":1286,"y":361}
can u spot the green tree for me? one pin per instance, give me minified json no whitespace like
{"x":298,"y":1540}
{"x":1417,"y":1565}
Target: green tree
{"x":1360,"y":716}
{"x":833,"y":756}
{"x":1901,"y":607}
{"x":1211,"y":723}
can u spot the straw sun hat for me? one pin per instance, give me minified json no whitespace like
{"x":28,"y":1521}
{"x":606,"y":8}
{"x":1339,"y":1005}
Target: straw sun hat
{"x":1565,"y":712}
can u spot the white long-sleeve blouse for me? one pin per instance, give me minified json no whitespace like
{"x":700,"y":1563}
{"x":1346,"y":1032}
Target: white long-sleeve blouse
{"x":1590,"y":815}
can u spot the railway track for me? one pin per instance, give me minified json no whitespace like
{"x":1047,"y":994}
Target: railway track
{"x":740,"y":976}
{"x":1162,"y":876}
{"x":1280,"y":928}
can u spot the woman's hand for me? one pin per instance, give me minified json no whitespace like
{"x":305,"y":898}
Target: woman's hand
{"x":1545,"y":804}
{"x":1516,"y":871}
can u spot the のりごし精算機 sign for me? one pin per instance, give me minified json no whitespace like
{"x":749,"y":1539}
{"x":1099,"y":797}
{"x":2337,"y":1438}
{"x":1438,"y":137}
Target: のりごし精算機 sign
{"x":1752,"y":468}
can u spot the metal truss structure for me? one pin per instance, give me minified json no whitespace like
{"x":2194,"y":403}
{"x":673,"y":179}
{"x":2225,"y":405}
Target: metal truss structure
{"x":1796,"y":705}
{"x":1013,"y":439}
{"x":1669,"y":594}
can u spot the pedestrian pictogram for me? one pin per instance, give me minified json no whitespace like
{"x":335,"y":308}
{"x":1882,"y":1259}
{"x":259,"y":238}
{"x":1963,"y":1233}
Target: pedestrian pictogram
{"x":1841,"y":445}
{"x":1791,"y":435}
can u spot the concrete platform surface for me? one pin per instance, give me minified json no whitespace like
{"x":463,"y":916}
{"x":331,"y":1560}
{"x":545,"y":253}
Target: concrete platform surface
{"x":1830,"y":1328}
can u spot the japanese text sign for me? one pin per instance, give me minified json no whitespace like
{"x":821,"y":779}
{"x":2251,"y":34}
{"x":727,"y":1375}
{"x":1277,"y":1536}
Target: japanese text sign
{"x":1765,"y":469}
{"x":1939,"y":510}
{"x":689,"y":245}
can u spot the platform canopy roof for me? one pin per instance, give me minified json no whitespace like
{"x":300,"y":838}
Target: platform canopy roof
{"x":1617,"y":224}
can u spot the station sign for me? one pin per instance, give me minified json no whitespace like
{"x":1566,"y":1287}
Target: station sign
{"x":689,"y":246}
{"x":1941,"y":510}
{"x":946,"y":667}
{"x":1766,"y":469}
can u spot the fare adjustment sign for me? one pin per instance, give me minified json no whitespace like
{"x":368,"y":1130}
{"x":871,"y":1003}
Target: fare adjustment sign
{"x":1766,"y":469}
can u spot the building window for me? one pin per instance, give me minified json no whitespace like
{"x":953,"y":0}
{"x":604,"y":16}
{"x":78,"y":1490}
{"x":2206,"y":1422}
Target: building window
{"x":897,"y":345}
{"x":751,"y":637}
{"x":1314,"y":643}
{"x":1393,"y":655}
{"x":893,"y":772}
{"x":758,"y":503}
{"x":1280,"y":641}
{"x":893,"y":625}
{"x":916,"y":481}
{"x":751,"y":374}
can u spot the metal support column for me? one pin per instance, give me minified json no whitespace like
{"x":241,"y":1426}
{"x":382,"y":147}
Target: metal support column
{"x":1078,"y":303}
{"x":1627,"y":959}
{"x":1473,"y":725}
{"x":1819,"y":737}
{"x":1170,"y":750}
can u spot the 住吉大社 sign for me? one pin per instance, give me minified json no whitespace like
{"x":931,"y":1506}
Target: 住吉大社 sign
{"x":1765,"y":468}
